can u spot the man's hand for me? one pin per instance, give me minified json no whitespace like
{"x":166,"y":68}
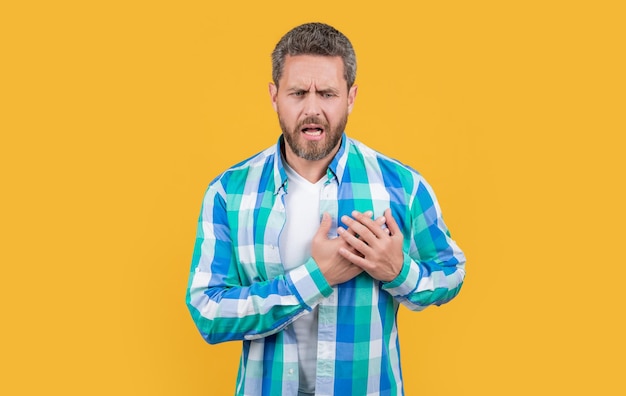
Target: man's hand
{"x":378,"y":249}
{"x":335,"y":267}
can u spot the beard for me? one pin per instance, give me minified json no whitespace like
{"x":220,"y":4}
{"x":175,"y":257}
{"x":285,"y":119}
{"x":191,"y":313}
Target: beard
{"x":313,"y":150}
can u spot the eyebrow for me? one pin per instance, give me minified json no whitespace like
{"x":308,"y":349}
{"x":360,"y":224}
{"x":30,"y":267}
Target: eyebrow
{"x":324,"y":90}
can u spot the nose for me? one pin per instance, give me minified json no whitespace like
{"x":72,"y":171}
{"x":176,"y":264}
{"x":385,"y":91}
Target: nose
{"x":312,"y":105}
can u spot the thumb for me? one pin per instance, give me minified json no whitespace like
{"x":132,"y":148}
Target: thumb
{"x":391,"y":223}
{"x":325,"y":224}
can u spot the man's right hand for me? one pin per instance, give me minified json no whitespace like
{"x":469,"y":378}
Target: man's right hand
{"x":335,"y":268}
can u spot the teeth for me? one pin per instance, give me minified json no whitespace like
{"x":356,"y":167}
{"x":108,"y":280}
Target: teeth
{"x":312,"y":131}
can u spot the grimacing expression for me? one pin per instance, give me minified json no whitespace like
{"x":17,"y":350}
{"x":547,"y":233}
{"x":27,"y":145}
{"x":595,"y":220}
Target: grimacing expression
{"x":310,"y":148}
{"x":313,"y":102}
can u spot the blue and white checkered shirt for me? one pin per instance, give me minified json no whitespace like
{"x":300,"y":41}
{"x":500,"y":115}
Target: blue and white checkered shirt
{"x":239,"y":289}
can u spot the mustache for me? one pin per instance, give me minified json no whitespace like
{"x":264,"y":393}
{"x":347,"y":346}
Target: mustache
{"x":312,"y":120}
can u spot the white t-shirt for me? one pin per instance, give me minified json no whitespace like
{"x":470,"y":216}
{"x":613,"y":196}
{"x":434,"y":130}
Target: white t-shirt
{"x":302,"y":206}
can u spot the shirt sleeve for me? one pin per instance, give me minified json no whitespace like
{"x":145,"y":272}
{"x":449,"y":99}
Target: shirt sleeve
{"x":434,"y":266}
{"x":224,"y":305}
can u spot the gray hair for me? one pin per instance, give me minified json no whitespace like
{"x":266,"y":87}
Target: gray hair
{"x":314,"y":39}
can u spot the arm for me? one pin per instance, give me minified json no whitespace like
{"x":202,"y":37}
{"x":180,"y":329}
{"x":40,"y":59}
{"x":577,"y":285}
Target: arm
{"x":223,"y":306}
{"x":419,"y":270}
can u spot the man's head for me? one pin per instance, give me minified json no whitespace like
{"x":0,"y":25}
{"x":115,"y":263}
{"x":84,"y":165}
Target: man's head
{"x":314,"y":39}
{"x":314,"y":68}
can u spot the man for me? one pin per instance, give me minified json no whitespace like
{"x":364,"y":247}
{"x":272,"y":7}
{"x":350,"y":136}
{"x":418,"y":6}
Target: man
{"x":306,"y":250}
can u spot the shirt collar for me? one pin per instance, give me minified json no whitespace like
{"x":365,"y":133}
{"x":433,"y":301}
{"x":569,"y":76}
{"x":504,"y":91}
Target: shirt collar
{"x":335,"y":168}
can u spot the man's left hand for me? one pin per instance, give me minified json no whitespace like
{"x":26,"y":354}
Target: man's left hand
{"x":381,"y":247}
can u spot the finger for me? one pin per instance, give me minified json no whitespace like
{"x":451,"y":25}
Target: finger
{"x":358,"y":244}
{"x":382,"y":221}
{"x":374,"y":226}
{"x":353,"y":258}
{"x":326,"y":222}
{"x":347,"y":221}
{"x":356,"y":228}
{"x":364,"y":215}
{"x":391,"y":223}
{"x":348,"y":230}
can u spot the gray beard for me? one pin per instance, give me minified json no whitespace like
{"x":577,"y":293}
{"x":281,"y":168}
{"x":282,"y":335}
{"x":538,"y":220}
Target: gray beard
{"x":313,"y":151}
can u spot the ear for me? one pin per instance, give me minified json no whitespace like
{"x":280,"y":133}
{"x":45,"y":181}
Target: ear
{"x":273,"y":95}
{"x":351,"y":97}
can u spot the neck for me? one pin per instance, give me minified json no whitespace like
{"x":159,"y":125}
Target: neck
{"x":312,"y":171}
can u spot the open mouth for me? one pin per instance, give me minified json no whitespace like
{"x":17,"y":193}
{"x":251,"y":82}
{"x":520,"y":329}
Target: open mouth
{"x":312,"y":130}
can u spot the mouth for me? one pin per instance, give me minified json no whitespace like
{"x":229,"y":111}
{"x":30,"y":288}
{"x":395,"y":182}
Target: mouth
{"x":312,"y":130}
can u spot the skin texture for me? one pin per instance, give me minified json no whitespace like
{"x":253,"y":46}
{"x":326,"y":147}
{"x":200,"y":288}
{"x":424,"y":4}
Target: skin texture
{"x":313,"y":102}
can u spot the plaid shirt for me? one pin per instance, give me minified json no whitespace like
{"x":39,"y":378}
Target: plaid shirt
{"x":238,"y":288}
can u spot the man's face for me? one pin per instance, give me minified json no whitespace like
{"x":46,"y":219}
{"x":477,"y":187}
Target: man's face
{"x":313,"y":102}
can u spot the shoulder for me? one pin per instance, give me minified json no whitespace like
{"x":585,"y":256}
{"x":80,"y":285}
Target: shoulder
{"x":255,"y":168}
{"x":397,"y":177}
{"x":396,"y":173}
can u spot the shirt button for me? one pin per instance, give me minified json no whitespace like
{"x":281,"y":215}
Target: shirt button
{"x":290,"y":371}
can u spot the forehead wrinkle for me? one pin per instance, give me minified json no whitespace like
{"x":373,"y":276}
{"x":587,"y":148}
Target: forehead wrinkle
{"x":314,"y":87}
{"x":312,"y":83}
{"x":306,"y":73}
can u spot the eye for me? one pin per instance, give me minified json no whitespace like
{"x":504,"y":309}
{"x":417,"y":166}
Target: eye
{"x":298,"y":93}
{"x":328,"y":95}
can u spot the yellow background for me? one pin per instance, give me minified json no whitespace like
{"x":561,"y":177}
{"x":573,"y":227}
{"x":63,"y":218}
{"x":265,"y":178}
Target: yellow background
{"x":116,"y":115}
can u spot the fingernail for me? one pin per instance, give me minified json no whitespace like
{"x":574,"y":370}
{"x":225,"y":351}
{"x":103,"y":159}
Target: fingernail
{"x":369,"y":213}
{"x":340,"y":230}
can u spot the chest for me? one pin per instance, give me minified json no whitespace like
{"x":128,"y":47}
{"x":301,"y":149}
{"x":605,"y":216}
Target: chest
{"x":258,"y":219}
